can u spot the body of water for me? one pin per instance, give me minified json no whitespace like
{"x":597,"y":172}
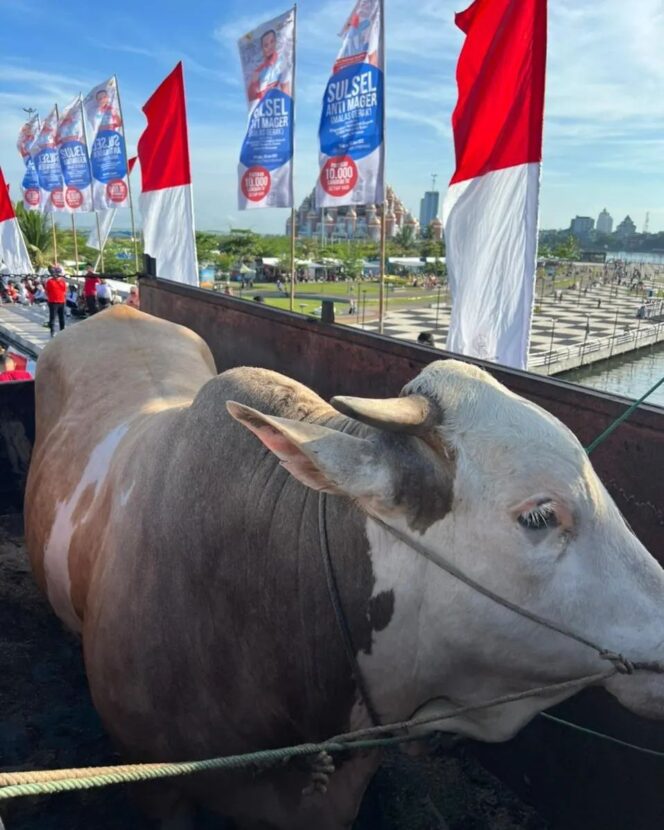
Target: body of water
{"x":629,"y":375}
{"x":634,"y":256}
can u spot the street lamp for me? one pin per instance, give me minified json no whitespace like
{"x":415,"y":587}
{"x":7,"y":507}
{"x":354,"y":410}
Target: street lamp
{"x":585,"y":339}
{"x":553,"y":331}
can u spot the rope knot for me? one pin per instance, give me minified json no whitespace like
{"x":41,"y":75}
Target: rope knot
{"x":621,"y":664}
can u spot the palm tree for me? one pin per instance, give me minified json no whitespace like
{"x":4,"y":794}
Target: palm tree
{"x":37,"y":234}
{"x":404,"y":238}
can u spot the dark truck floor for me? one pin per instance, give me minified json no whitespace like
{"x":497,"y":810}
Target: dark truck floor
{"x":47,"y":721}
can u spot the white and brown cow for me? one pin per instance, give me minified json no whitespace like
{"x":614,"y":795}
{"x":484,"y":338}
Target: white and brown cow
{"x":189,"y":558}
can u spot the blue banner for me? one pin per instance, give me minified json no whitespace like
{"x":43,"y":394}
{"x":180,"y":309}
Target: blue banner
{"x":44,"y":152}
{"x":265,"y":177}
{"x":352,"y":118}
{"x":30,"y":183}
{"x":108,"y":152}
{"x":74,"y":159}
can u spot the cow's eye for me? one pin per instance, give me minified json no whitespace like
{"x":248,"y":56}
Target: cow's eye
{"x":539,"y":518}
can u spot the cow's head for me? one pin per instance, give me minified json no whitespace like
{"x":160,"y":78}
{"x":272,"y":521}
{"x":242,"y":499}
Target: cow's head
{"x":507,"y":494}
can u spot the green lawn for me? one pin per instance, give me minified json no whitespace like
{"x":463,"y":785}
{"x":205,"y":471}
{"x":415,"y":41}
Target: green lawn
{"x":363,"y":294}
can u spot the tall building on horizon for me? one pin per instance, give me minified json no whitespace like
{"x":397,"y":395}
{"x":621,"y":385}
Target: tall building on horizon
{"x":626,"y":228}
{"x":582,"y":225}
{"x":604,"y":222}
{"x":429,"y":208}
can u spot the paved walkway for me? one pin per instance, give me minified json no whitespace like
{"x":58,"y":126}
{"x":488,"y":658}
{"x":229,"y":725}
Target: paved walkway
{"x":24,"y":327}
{"x":580,"y":317}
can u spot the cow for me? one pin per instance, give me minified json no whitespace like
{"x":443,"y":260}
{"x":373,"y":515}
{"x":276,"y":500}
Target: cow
{"x":176,"y":518}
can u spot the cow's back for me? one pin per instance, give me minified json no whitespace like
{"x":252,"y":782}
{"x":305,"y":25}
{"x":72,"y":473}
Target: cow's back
{"x":97,"y":383}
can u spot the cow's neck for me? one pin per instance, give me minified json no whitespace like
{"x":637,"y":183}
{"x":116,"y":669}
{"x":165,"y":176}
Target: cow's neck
{"x":389,"y":648}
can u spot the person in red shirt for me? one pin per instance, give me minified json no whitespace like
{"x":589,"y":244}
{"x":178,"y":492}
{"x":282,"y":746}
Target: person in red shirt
{"x":56,"y":289}
{"x":90,"y":290}
{"x":8,"y":370}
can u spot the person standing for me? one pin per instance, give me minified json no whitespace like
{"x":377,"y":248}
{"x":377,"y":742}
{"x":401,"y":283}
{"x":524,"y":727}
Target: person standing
{"x":90,"y":291}
{"x":56,"y":289}
{"x":72,"y":299}
{"x":104,"y":294}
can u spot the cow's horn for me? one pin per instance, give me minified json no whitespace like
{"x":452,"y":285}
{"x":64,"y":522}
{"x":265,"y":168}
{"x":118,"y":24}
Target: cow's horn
{"x":412,"y":413}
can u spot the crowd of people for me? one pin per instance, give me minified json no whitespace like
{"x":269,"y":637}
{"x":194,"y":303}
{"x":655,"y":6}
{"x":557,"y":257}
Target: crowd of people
{"x":63,"y":298}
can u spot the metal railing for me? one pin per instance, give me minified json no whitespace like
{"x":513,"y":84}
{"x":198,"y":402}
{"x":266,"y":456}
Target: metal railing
{"x":641,"y":336}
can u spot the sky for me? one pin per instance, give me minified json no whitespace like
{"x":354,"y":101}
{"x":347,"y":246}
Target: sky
{"x":604,"y":110}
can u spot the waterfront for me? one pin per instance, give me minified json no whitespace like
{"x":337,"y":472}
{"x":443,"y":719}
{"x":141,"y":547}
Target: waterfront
{"x":629,"y":375}
{"x":651,"y":258}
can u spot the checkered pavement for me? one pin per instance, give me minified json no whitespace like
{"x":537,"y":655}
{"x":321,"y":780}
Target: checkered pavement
{"x":604,"y":310}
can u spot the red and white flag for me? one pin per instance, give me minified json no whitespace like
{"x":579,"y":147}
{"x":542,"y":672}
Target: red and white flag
{"x":13,"y":252}
{"x":166,"y":197}
{"x":490,"y":212}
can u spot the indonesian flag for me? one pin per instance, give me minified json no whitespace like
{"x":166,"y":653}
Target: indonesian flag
{"x":166,"y":197}
{"x":13,"y":252}
{"x":490,"y":211}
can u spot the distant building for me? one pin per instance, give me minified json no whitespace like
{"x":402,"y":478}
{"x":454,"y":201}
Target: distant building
{"x":352,"y":221}
{"x":626,"y":228}
{"x":604,"y":222}
{"x":582,"y":225}
{"x":429,"y":208}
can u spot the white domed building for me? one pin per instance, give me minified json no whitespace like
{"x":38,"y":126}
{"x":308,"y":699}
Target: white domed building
{"x":352,"y":221}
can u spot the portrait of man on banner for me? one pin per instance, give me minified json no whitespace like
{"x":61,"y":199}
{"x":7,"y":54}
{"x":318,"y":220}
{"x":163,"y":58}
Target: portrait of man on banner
{"x":107,"y":112}
{"x":273,"y":70}
{"x":26,"y":137}
{"x":70,"y":127}
{"x":47,"y":136}
{"x":359,"y":36}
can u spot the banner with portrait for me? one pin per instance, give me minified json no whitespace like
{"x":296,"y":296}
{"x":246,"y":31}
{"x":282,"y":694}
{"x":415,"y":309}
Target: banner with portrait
{"x":265,"y":171}
{"x":352,"y":118}
{"x":74,"y":159}
{"x":30,"y":182}
{"x":45,"y":155}
{"x":108,"y":151}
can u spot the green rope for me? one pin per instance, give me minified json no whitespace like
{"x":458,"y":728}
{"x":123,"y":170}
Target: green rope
{"x":584,"y":729}
{"x":604,"y":435}
{"x":147,"y":772}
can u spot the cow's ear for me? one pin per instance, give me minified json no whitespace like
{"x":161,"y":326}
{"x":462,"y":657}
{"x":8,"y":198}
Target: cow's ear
{"x":321,"y":458}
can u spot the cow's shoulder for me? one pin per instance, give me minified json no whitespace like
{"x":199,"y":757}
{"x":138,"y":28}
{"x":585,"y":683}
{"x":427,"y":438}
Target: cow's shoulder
{"x":116,"y":363}
{"x":268,"y":391}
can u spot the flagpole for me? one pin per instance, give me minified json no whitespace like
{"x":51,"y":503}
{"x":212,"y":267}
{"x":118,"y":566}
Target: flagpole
{"x":55,"y":242}
{"x":292,"y":257}
{"x":131,"y":201}
{"x":73,"y":227}
{"x":96,"y":213}
{"x":101,"y":244}
{"x":292,"y":240}
{"x":381,"y":287}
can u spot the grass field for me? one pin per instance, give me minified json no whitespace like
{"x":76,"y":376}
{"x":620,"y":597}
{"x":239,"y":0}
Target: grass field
{"x":364,"y":294}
